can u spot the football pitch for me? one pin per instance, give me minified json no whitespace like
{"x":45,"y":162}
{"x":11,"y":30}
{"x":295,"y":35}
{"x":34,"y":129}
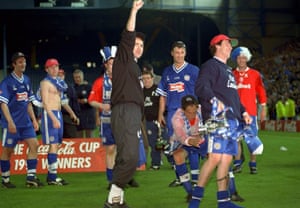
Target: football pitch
{"x":277,"y":184}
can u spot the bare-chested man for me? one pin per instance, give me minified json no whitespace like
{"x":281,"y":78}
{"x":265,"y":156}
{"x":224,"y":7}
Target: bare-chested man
{"x":52,"y":98}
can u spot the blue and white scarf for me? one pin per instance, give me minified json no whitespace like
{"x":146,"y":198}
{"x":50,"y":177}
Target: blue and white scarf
{"x":107,"y":88}
{"x":60,"y":85}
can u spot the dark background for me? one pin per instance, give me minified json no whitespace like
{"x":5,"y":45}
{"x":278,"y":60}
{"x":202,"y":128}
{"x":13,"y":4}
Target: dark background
{"x":75,"y":36}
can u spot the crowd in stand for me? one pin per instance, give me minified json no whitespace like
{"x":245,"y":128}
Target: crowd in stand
{"x":281,"y":73}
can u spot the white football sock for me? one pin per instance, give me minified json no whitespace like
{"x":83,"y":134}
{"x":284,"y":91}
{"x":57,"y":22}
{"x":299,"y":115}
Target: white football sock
{"x":115,"y":194}
{"x":122,"y":197}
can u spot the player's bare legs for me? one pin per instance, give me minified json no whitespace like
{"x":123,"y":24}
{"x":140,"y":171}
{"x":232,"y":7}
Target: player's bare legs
{"x":222,"y":162}
{"x":110,"y":161}
{"x":32,"y":180}
{"x":6,"y":153}
{"x":207,"y":168}
{"x":33,"y":147}
{"x":5,"y":166}
{"x":52,"y":178}
{"x":222,"y":171}
{"x":238,"y":159}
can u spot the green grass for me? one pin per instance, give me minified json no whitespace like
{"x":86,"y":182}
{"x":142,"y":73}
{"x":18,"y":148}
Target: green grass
{"x":277,"y":184}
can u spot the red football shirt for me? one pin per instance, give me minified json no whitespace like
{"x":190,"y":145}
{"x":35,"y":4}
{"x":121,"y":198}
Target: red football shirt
{"x":250,"y":89}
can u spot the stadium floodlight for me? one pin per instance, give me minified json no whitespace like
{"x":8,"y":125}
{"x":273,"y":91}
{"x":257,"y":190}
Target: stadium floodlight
{"x":48,"y":3}
{"x":79,"y":3}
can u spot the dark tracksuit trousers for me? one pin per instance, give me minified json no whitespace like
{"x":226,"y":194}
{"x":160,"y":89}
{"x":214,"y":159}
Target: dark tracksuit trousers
{"x":126,"y":122}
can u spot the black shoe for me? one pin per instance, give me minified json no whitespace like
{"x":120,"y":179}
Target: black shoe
{"x":133,"y":183}
{"x":115,"y":205}
{"x":188,"y":198}
{"x":34,"y":183}
{"x":109,"y":186}
{"x":237,"y":169}
{"x":236,"y":197}
{"x":8,"y":185}
{"x":57,"y":182}
{"x":253,"y":170}
{"x":175,"y":183}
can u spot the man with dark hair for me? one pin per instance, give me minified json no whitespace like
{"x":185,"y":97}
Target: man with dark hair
{"x":154,"y":131}
{"x":217,"y":93}
{"x":186,"y":138}
{"x":149,"y":67}
{"x":177,"y":81}
{"x":18,"y":121}
{"x":127,"y":102}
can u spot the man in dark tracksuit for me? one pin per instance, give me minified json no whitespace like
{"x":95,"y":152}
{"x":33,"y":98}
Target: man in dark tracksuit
{"x":216,"y":90}
{"x":127,"y":108}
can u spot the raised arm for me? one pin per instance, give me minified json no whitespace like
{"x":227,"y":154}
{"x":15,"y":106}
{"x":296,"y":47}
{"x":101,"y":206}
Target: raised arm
{"x":136,"y":5}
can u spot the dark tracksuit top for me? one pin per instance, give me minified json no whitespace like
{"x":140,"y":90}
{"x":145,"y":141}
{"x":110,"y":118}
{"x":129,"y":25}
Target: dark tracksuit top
{"x":216,"y":80}
{"x":126,"y":74}
{"x":127,"y":106}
